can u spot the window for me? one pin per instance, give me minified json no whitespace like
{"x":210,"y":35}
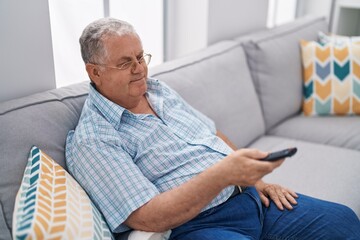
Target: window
{"x":280,"y":12}
{"x":68,"y":18}
{"x":147,"y":18}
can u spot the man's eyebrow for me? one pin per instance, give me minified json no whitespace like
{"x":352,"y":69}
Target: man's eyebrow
{"x":124,"y":58}
{"x":128,"y":58}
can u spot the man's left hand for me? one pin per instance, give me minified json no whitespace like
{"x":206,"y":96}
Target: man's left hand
{"x":281,"y":196}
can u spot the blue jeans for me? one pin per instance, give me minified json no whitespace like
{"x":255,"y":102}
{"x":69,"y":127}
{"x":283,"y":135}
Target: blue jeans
{"x":244,"y":217}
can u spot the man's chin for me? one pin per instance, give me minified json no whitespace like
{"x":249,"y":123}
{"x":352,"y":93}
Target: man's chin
{"x":142,"y":87}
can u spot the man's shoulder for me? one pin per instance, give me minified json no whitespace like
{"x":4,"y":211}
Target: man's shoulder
{"x":90,"y":130}
{"x":91,"y":122}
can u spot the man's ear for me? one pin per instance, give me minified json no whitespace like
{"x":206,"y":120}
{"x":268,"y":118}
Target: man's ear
{"x":94,"y":73}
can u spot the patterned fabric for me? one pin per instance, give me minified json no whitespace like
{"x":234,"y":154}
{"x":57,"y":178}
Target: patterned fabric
{"x":50,"y":204}
{"x":337,"y":40}
{"x":123,"y":159}
{"x":331,"y":77}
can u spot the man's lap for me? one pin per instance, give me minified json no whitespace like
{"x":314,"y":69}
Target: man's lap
{"x":244,"y":217}
{"x":224,"y":219}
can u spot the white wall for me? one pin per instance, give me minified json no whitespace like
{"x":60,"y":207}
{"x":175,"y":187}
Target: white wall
{"x":26,"y":56}
{"x":230,"y":18}
{"x":281,"y":12}
{"x":186,"y":27}
{"x":315,"y":7}
{"x":68,"y":19}
{"x":346,"y":18}
{"x":147,"y":18}
{"x":193,"y":25}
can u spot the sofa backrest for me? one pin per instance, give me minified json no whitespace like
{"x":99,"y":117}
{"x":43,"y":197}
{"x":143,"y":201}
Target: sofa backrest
{"x":274,"y":59}
{"x":42,"y":120}
{"x":217,"y":82}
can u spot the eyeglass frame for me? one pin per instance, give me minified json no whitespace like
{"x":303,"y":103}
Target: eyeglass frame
{"x":131,"y":63}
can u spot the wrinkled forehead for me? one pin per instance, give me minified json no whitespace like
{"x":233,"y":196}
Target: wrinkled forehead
{"x":112,"y":37}
{"x":122,"y":45}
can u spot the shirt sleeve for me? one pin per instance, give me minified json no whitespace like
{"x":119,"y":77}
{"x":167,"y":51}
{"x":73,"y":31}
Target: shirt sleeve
{"x":110,"y":177}
{"x":205,"y":119}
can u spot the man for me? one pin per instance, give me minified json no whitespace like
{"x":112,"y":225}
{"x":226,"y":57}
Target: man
{"x":151,"y":162}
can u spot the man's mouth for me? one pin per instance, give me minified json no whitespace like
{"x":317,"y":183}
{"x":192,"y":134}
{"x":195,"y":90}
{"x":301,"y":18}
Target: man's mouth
{"x":136,"y":80}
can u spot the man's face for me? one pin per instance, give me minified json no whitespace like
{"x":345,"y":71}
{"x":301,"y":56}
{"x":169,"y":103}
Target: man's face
{"x":124,"y":87}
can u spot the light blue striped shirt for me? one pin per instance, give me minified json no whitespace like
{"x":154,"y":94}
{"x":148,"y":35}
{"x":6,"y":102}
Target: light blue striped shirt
{"x":123,"y":160}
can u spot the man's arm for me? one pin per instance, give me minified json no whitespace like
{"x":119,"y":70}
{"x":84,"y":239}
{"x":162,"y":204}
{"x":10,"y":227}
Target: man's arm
{"x":177,"y":206}
{"x":226,"y":140}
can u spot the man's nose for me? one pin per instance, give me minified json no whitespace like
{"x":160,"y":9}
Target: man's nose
{"x":137,"y":67}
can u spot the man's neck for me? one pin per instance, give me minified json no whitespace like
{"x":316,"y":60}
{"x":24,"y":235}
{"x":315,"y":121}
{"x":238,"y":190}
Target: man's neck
{"x":143,"y":107}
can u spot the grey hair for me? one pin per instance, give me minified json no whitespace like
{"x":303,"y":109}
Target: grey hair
{"x":91,"y":40}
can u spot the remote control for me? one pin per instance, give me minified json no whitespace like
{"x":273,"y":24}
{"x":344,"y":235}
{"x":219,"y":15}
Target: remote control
{"x":280,"y":154}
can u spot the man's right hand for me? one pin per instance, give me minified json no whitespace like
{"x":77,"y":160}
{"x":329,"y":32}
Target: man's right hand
{"x":243,"y":168}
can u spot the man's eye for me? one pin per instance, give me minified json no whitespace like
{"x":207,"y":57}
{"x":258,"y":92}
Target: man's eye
{"x":140,"y":58}
{"x":125,"y":65}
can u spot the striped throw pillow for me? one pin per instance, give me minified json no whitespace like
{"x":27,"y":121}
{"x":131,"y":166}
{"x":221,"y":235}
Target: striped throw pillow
{"x":331,"y":74}
{"x":50,"y":204}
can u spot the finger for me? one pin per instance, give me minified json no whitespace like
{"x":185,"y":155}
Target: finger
{"x":275,"y":198}
{"x":269,"y":166}
{"x":292,"y":193}
{"x":283,"y":198}
{"x":254,"y":153}
{"x":277,"y":163}
{"x":290,"y":198}
{"x":264,"y":199}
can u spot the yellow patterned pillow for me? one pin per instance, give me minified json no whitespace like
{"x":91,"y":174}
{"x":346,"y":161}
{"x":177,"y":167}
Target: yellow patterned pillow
{"x":331,"y":74}
{"x":50,"y":204}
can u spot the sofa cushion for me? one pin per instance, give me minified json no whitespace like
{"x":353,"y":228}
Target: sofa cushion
{"x":325,"y":172}
{"x":275,"y":63}
{"x":4,"y":230}
{"x":51,"y":204}
{"x":329,"y":130}
{"x":42,"y":119}
{"x":217,"y":82}
{"x":331,"y":77}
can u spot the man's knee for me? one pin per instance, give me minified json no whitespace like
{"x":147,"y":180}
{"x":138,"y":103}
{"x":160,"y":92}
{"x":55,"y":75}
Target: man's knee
{"x":341,"y":212}
{"x":331,"y":219}
{"x":343,"y":221}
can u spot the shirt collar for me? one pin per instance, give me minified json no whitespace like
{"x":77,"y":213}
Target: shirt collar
{"x":114,"y":112}
{"x":155,"y":96}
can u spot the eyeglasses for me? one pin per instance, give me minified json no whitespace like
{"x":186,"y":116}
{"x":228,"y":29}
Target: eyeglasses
{"x":144,"y":59}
